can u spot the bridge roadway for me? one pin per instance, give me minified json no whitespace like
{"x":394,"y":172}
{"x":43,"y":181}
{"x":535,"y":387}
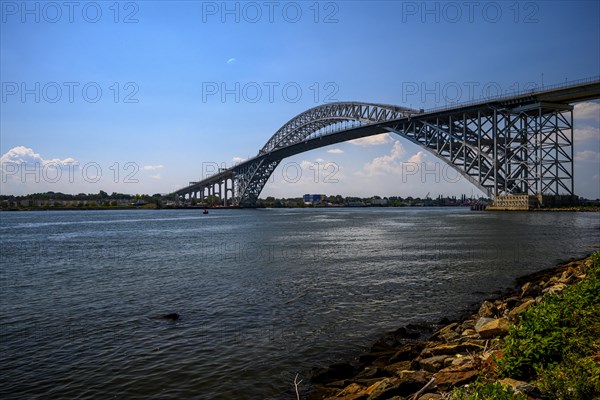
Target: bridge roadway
{"x":516,"y":144}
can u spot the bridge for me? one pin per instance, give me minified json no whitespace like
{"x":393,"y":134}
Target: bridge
{"x":517,"y":146}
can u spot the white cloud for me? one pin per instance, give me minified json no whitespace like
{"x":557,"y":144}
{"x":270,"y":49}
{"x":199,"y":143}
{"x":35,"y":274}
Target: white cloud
{"x":418,"y":158}
{"x":231,"y":61}
{"x":335,"y":151}
{"x":391,"y":163}
{"x":376,"y":140}
{"x":237,"y":160}
{"x":586,"y":133}
{"x":25,"y":171}
{"x":304,"y":164}
{"x":152,"y":167}
{"x":587,"y":110}
{"x":587,"y":155}
{"x":25,"y":155}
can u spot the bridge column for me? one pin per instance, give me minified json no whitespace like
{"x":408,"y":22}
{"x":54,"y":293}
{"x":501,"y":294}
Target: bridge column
{"x":233,"y":191}
{"x":217,"y":190}
{"x":225,"y":193}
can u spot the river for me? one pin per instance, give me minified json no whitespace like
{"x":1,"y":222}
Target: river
{"x":262,"y":294}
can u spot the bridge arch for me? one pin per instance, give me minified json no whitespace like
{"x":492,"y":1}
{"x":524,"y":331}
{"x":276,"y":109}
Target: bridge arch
{"x":316,"y":118}
{"x":252,"y":176}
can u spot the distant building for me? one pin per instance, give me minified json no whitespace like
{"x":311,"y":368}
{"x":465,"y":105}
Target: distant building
{"x":313,"y":198}
{"x":379,"y":202}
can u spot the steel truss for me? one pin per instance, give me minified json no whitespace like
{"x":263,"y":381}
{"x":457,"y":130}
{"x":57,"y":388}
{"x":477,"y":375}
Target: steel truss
{"x":525,"y":147}
{"x":310,"y":121}
{"x":525,"y":150}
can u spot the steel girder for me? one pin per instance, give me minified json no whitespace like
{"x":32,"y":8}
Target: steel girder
{"x":502,"y":150}
{"x":301,"y":126}
{"x":250,"y":179}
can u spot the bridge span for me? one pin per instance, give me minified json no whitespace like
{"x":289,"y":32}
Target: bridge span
{"x":513,"y":146}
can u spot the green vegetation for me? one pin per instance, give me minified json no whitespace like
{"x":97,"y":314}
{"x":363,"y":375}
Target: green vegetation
{"x":555,"y":345}
{"x":486,"y":390}
{"x":100,"y":200}
{"x":562,"y":326}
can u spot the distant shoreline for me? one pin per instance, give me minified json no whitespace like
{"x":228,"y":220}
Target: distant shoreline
{"x":120,"y":208}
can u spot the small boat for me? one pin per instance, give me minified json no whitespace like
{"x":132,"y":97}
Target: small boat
{"x":205,"y":211}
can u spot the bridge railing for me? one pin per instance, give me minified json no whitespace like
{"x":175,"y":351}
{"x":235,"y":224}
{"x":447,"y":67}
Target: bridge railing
{"x":510,"y":95}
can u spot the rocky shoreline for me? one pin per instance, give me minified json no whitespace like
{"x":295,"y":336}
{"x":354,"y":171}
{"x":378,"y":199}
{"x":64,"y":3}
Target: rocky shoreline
{"x":425,"y":362}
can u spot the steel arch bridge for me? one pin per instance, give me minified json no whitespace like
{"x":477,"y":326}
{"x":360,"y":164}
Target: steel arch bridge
{"x":520,"y":144}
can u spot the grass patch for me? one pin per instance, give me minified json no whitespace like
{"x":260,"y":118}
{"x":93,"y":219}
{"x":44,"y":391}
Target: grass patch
{"x":485,"y":391}
{"x":562,"y":326}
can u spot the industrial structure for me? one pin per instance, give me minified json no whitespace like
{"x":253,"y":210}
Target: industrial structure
{"x":518,"y":148}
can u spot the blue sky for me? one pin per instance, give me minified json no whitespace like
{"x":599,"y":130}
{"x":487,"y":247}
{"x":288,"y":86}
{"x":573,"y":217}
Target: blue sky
{"x":134,"y":95}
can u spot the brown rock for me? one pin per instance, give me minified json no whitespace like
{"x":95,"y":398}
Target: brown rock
{"x":530,"y":290}
{"x":357,"y":396}
{"x":448,"y":380}
{"x":446,"y":331}
{"x":450,"y":336}
{"x":412,"y":381}
{"x":381,"y":362}
{"x":495,"y":328}
{"x":468,"y":324}
{"x":339,"y":384}
{"x":469,"y":332}
{"x":417,"y":376}
{"x":383,"y":389}
{"x":482,"y":321}
{"x":320,"y":392}
{"x":512,"y":302}
{"x":351,"y":392}
{"x":566,"y":278}
{"x":372,"y":372}
{"x":431,"y":396}
{"x":407,"y":351}
{"x":517,"y":310}
{"x":367,"y":382}
{"x":460,"y":361}
{"x":490,"y":361}
{"x":555,"y":289}
{"x":396,"y":368}
{"x":487,"y":310}
{"x":542,"y":284}
{"x":450,"y":349}
{"x":433,"y":364}
{"x":371,"y":357}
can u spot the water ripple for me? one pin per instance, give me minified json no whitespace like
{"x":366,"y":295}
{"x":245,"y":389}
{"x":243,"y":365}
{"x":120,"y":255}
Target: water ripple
{"x":262,"y":294}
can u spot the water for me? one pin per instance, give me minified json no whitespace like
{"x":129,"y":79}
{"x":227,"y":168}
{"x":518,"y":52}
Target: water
{"x":262,"y":294}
